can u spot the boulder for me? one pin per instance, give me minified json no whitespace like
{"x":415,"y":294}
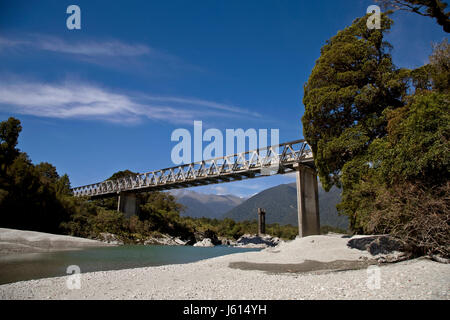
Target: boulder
{"x":376,"y":244}
{"x":165,"y":240}
{"x":204,"y":243}
{"x":256,"y":241}
{"x":227,"y":242}
{"x":208,"y":234}
{"x":385,"y":248}
{"x":109,"y":238}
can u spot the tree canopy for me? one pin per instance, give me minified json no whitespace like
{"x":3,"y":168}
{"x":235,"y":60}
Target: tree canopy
{"x":352,"y":83}
{"x":429,"y":8}
{"x":382,"y":133}
{"x":30,"y":195}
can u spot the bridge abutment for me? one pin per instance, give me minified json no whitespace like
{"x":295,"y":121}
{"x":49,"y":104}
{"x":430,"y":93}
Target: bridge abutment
{"x":128,"y":204}
{"x":307,"y":201}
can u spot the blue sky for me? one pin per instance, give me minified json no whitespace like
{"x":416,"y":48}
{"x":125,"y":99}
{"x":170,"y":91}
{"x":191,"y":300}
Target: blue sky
{"x":107,"y":97}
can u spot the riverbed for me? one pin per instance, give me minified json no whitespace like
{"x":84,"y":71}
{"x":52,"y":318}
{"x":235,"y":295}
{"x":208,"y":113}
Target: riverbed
{"x":29,"y":266}
{"x":314,"y":267}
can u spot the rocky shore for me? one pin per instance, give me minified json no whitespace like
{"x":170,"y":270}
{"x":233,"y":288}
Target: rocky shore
{"x":245,"y":241}
{"x":314,"y":267}
{"x":20,"y":241}
{"x":201,"y":240}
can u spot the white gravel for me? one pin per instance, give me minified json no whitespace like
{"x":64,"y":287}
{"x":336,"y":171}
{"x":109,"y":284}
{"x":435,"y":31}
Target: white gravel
{"x":213,"y":279}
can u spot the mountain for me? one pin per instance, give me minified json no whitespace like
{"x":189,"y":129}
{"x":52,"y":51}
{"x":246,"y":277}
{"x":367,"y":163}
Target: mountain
{"x":280,"y":203}
{"x":205,"y":205}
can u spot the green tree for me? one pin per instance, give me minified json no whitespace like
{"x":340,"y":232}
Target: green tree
{"x":439,"y":67}
{"x":31,"y":197}
{"x":415,"y":151}
{"x":62,"y":186}
{"x":9,"y":135}
{"x":111,"y":203}
{"x":401,"y":185}
{"x":122,"y":174}
{"x":47,"y":172}
{"x":406,"y":190}
{"x":417,"y":147}
{"x":352,"y":83}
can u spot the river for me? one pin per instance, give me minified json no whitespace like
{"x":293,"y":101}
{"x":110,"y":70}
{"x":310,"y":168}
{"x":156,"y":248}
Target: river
{"x":28,"y":266}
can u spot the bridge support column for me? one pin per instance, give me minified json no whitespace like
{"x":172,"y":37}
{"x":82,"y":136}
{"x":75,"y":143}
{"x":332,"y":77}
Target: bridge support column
{"x":307,"y":201}
{"x":261,"y":222}
{"x":128,"y":204}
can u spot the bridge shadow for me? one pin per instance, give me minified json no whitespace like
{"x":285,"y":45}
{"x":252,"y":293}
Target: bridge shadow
{"x":308,"y":266}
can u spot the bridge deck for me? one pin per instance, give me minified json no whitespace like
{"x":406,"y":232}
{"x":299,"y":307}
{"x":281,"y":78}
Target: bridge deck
{"x":277,"y":159}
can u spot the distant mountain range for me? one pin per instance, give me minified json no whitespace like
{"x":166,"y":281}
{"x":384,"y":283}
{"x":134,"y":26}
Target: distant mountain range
{"x":280,"y":203}
{"x":205,"y":205}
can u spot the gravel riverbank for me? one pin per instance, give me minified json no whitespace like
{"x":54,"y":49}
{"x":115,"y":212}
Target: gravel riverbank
{"x":320,"y":268}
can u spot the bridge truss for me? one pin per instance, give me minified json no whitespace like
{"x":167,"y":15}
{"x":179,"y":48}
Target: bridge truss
{"x":276,"y":159}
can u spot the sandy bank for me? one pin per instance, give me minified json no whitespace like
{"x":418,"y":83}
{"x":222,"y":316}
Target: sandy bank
{"x":215,"y":279}
{"x":20,"y":241}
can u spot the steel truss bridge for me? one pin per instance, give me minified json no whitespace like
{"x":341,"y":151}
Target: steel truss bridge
{"x":276,"y":159}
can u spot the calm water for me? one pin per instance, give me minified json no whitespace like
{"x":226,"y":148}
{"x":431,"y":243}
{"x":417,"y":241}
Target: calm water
{"x":18,"y":267}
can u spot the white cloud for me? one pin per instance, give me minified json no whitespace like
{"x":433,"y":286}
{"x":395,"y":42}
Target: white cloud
{"x":111,"y":48}
{"x":9,"y":43}
{"x":110,"y":53}
{"x":72,"y":100}
{"x":220,"y":190}
{"x":210,"y":104}
{"x":91,"y":48}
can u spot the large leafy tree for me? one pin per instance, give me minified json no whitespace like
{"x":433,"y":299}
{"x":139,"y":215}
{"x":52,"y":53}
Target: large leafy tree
{"x":383,"y":135}
{"x":353,"y":81}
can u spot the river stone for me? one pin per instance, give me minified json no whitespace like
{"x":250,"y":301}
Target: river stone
{"x":204,"y":243}
{"x":376,"y":244}
{"x":256,"y":241}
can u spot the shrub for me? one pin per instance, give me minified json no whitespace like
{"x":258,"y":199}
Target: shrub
{"x":419,"y":217}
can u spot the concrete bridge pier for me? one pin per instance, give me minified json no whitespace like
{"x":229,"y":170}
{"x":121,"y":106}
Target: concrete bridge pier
{"x":261,"y":222}
{"x":307,"y":201}
{"x":128,"y":204}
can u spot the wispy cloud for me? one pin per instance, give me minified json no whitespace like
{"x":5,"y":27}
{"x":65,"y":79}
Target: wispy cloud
{"x":111,"y":48}
{"x":220,"y":190}
{"x":110,"y":53}
{"x":6,"y":43}
{"x":90,"y":102}
{"x":94,"y":48}
{"x":203,"y":103}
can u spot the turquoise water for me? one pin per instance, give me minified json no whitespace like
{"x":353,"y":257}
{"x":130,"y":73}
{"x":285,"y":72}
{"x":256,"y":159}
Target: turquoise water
{"x":28,"y":266}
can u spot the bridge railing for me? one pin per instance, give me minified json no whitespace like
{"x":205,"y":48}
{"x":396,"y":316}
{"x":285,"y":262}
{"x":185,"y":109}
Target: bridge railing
{"x":271,"y":158}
